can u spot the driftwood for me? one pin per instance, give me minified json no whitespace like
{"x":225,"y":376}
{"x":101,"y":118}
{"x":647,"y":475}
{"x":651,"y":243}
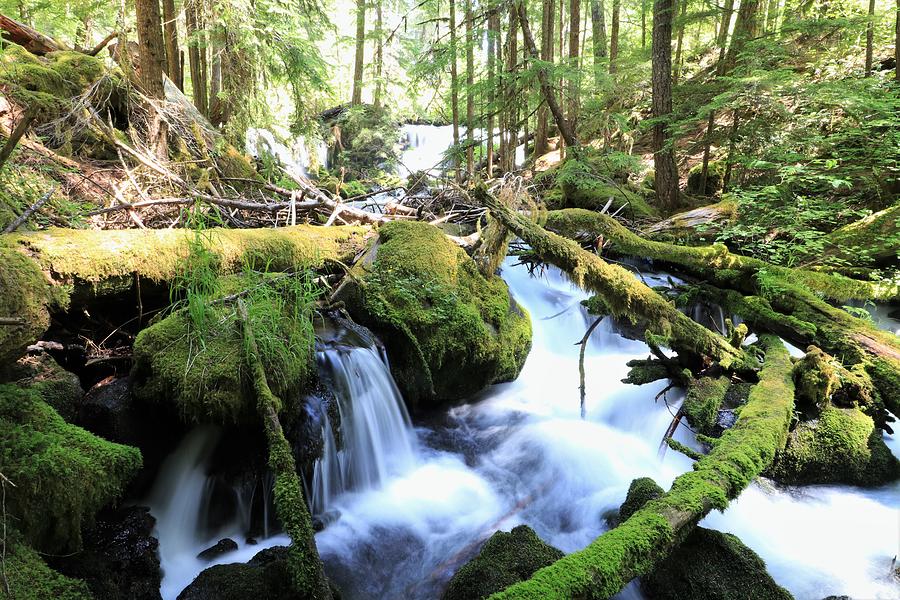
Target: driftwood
{"x":30,"y":39}
{"x":16,"y":135}
{"x":639,"y":544}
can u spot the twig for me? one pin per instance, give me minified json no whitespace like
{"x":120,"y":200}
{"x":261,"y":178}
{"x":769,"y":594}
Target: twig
{"x":583,"y":344}
{"x":28,"y":212}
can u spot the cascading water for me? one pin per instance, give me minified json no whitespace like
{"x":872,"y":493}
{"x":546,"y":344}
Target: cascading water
{"x":424,"y":147}
{"x":377,"y":435}
{"x":296,"y":159}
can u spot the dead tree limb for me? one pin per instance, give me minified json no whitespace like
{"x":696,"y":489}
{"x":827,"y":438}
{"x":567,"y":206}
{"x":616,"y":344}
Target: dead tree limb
{"x":16,"y":135}
{"x":30,"y":39}
{"x":28,"y":212}
{"x":637,"y":546}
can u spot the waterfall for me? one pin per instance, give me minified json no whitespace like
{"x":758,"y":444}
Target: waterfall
{"x":375,"y":427}
{"x":295,"y":159}
{"x":424,"y":147}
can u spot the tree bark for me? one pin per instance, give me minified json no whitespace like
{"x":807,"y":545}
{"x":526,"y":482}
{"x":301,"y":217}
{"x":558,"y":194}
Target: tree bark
{"x":173,"y":55}
{"x":512,"y":122}
{"x":565,"y":129}
{"x":196,"y":56}
{"x":575,"y":82}
{"x":470,"y":91}
{"x":679,"y":45}
{"x":379,"y":53}
{"x":614,"y":36}
{"x":152,"y":61}
{"x":493,"y":37}
{"x":542,"y":130}
{"x":746,"y":27}
{"x":30,"y":39}
{"x":598,"y":37}
{"x":359,"y":61}
{"x":666,"y":171}
{"x":870,"y":37}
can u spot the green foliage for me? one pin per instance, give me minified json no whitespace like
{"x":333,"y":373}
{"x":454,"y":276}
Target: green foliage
{"x":30,"y":578}
{"x":62,"y":473}
{"x":369,"y":138}
{"x":591,"y":179}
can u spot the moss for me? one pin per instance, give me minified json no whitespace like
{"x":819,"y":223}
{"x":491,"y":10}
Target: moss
{"x":233,"y":163}
{"x":505,"y":559}
{"x":640,"y":492}
{"x":636,"y":546}
{"x":63,"y":474}
{"x":26,"y":294}
{"x":584,"y":187}
{"x":841,"y":446}
{"x":702,"y":402}
{"x":202,"y":374}
{"x":869,"y":241}
{"x":714,"y":176}
{"x":714,"y":262}
{"x":265,"y":576}
{"x":710,"y":565}
{"x":30,"y":578}
{"x":59,"y":388}
{"x":449,"y":330}
{"x":679,"y":447}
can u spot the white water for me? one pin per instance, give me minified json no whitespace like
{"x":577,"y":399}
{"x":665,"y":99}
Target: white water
{"x":426,"y":499}
{"x":295,"y":159}
{"x":377,"y":435}
{"x":424,"y":147}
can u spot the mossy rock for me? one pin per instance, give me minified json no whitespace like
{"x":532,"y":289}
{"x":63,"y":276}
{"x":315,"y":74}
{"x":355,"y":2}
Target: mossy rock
{"x":841,"y":446}
{"x":266,"y":575}
{"x":715,"y":176}
{"x":449,"y":330}
{"x":59,"y":388}
{"x":641,"y":491}
{"x":203,"y":375}
{"x":710,"y":565}
{"x":33,"y":295}
{"x":62,"y":473}
{"x":583,"y":186}
{"x":505,"y":559}
{"x":30,"y":578}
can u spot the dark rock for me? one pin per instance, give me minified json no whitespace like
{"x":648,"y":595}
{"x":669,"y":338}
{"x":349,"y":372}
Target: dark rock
{"x":505,"y":559}
{"x":265,"y":576}
{"x":710,"y":565}
{"x":120,"y":559}
{"x":58,"y":387}
{"x":641,"y":491}
{"x":221,"y":547}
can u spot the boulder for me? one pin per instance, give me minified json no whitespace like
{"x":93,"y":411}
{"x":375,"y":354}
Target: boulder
{"x":505,"y":559}
{"x":223,"y":546}
{"x":265,"y":576}
{"x":449,"y":331}
{"x":120,"y":558}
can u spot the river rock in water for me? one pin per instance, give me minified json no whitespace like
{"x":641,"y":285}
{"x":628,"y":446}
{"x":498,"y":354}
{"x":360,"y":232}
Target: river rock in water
{"x":265,"y":576}
{"x":221,"y":547}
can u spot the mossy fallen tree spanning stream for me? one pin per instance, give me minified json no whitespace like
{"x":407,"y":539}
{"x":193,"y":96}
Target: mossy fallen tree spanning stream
{"x":42,"y":271}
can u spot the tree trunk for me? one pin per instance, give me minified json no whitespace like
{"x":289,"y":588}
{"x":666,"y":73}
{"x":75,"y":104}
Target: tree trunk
{"x":152,"y":53}
{"x":493,"y":37}
{"x":379,"y":53}
{"x":566,"y":131}
{"x":598,"y":37}
{"x":614,"y":36}
{"x":679,"y":45}
{"x":870,"y":37}
{"x":542,"y":130}
{"x":470,"y":91}
{"x":643,"y":24}
{"x":772,"y":16}
{"x":575,"y":82}
{"x":666,"y":171}
{"x":454,"y":90}
{"x":359,"y":62}
{"x":897,"y":44}
{"x":722,"y":36}
{"x":196,"y":56}
{"x":746,"y":27}
{"x":170,"y":30}
{"x":512,"y":56}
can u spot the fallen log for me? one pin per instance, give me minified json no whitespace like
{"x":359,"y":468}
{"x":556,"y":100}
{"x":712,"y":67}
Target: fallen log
{"x":304,"y":565}
{"x":624,"y":296}
{"x":43,"y":271}
{"x":16,"y":135}
{"x":30,"y":39}
{"x":640,"y":543}
{"x":711,"y":261}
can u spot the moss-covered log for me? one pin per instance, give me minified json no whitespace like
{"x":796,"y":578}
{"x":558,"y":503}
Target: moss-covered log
{"x":307,"y":573}
{"x":714,"y":262}
{"x":637,"y":546}
{"x":41,"y":271}
{"x":625,"y":296}
{"x":871,"y":241}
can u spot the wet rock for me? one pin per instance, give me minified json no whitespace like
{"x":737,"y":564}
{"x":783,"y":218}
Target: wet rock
{"x":265,"y":576}
{"x":221,"y":547}
{"x":59,"y":388}
{"x":505,"y":559}
{"x":120,"y":559}
{"x":641,"y":491}
{"x":710,"y":565}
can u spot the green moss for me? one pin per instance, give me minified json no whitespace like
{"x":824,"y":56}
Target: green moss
{"x":201,"y":372}
{"x":505,"y":559}
{"x":640,"y":492}
{"x":30,"y":578}
{"x":841,"y":446}
{"x":59,"y":388}
{"x":584,"y":186}
{"x":26,"y":294}
{"x":63,"y":474}
{"x":642,"y":371}
{"x":710,"y":565}
{"x":870,"y":241}
{"x":233,"y":163}
{"x":715,"y":174}
{"x":449,"y":330}
{"x":702,"y":402}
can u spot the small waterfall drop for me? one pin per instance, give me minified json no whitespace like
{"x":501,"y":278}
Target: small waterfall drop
{"x":296,"y":159}
{"x":374,"y":426}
